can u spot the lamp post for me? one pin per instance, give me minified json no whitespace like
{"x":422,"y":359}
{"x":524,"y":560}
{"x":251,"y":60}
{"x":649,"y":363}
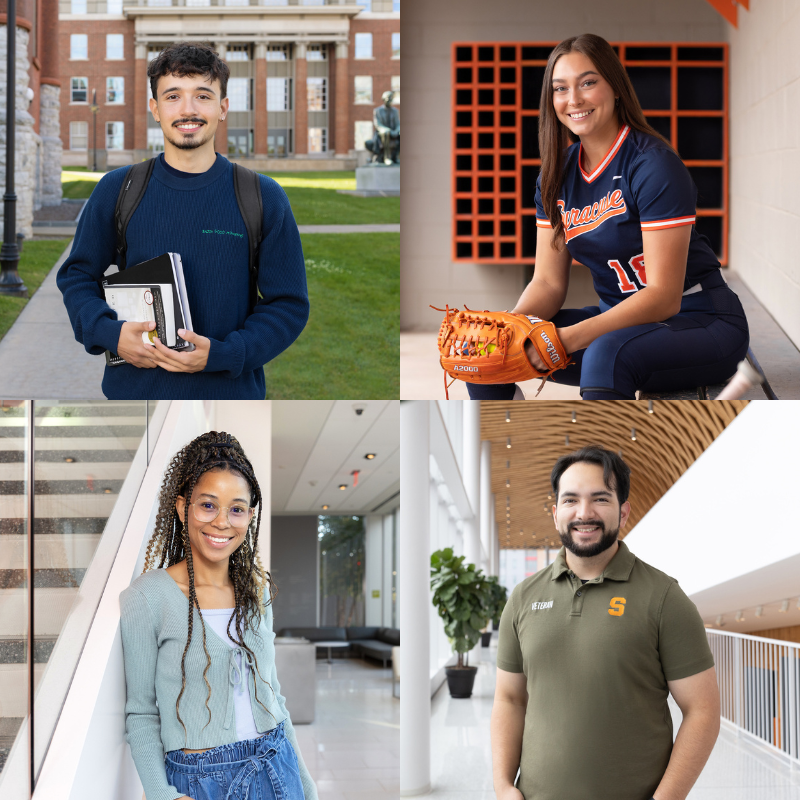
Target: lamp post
{"x":10,"y":281}
{"x":94,"y":108}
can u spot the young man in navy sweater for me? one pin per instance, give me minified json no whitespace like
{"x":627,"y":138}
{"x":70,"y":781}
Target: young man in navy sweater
{"x":190,"y":208}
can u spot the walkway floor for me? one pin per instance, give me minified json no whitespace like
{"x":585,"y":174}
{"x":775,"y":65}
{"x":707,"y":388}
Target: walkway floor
{"x":421,"y":375}
{"x":461,"y":765}
{"x":352,"y":749}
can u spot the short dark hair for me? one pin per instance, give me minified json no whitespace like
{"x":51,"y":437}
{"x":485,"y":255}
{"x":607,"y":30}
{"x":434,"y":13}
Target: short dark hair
{"x":189,"y":58}
{"x":612,"y":465}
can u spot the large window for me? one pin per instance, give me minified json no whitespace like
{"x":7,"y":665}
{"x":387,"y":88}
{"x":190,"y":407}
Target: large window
{"x":363,"y":86}
{"x":78,"y":46}
{"x":115,"y":90}
{"x":316,"y":52}
{"x":396,"y":90}
{"x":77,"y":7}
{"x":365,"y":4}
{"x":395,"y":45}
{"x":79,"y":89}
{"x":115,"y":136}
{"x":113,"y":6}
{"x":239,"y":94}
{"x":277,"y":52}
{"x":363,"y":45}
{"x":363,"y":133}
{"x":317,"y":94}
{"x":155,"y":140}
{"x":317,"y":140}
{"x":278,"y":94}
{"x":341,"y":571}
{"x":114,"y":45}
{"x":78,"y":135}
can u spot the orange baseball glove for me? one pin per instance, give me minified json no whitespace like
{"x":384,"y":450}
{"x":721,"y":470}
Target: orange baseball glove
{"x":489,"y":347}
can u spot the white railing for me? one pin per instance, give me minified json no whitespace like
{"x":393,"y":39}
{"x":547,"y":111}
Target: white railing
{"x":759,"y":687}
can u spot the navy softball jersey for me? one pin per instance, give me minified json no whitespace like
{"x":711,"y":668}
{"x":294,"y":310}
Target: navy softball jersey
{"x":640,"y":185}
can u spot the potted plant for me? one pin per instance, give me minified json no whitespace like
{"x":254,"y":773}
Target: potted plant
{"x":498,"y":595}
{"x":461,"y":596}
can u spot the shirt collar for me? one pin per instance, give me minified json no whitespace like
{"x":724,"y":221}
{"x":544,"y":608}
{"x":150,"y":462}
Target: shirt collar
{"x":618,"y":569}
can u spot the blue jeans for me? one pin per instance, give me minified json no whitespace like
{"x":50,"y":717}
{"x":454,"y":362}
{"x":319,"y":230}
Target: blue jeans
{"x":256,"y":769}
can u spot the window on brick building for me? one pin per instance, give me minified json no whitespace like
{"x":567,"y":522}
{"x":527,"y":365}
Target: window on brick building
{"x":115,"y":135}
{"x":275,"y":2}
{"x":239,"y":94}
{"x":238,"y":52}
{"x":113,"y":6}
{"x":312,"y":2}
{"x":395,"y":45}
{"x":317,"y":140}
{"x":396,"y":90}
{"x":363,"y":86}
{"x":79,"y":88}
{"x":237,"y":2}
{"x":115,"y":90}
{"x":198,"y":3}
{"x":396,"y":6}
{"x":155,"y":140}
{"x":317,"y":94}
{"x":159,"y":3}
{"x":78,"y":46}
{"x":278,"y":94}
{"x":77,"y":7}
{"x":363,"y":132}
{"x":277,"y":52}
{"x":79,"y":136}
{"x":316,"y":52}
{"x":363,"y":45}
{"x":365,"y":4}
{"x":114,"y":46}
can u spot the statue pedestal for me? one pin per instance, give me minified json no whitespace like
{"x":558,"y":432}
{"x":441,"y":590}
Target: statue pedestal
{"x":377,"y":181}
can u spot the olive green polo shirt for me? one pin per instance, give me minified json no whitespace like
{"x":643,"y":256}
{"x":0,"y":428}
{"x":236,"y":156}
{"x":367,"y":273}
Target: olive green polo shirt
{"x":597,"y":658}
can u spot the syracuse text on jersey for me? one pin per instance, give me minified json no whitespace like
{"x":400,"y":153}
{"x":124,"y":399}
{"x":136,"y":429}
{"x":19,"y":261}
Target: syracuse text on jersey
{"x":583,"y":220}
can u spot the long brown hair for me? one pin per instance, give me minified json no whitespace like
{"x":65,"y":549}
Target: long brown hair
{"x":555,"y":137}
{"x":170,"y":541}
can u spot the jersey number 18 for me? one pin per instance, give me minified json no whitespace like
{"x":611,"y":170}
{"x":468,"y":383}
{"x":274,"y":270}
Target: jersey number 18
{"x":633,"y":281}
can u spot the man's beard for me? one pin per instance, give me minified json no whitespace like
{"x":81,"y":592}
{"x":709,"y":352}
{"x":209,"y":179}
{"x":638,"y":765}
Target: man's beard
{"x":189,"y":142}
{"x":605,"y":541}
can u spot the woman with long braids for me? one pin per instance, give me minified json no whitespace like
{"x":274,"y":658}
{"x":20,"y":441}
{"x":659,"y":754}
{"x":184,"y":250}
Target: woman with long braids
{"x":204,"y":715}
{"x":613,"y":195}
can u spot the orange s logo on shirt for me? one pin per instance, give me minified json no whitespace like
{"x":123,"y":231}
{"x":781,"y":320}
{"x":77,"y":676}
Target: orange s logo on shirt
{"x":617,"y":606}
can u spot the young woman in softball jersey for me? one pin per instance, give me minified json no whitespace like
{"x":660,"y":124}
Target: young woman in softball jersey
{"x":620,"y":201}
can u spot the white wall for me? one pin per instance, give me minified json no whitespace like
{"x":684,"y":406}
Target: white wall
{"x":727,"y":529}
{"x":765,"y":157}
{"x":430,"y":26}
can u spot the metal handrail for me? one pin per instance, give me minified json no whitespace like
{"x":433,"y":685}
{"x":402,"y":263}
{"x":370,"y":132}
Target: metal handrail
{"x":759,"y":686}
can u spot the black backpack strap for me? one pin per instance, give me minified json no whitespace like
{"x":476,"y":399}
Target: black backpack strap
{"x":247,"y":186}
{"x":128,"y":199}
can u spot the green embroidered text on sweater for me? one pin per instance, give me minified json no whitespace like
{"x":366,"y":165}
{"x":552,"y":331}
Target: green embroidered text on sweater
{"x":153,"y":620}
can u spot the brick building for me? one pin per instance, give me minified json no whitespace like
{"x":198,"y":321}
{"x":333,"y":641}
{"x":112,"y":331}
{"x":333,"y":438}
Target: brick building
{"x":305,"y":74}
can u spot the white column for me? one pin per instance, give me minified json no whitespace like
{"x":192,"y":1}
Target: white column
{"x":471,"y":470}
{"x":414,"y":557}
{"x":486,"y":506}
{"x":373,"y":570}
{"x":495,"y":566}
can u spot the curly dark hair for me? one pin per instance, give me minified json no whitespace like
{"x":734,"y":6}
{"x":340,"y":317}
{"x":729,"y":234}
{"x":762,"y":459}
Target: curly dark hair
{"x":189,"y":58}
{"x":170,"y":542}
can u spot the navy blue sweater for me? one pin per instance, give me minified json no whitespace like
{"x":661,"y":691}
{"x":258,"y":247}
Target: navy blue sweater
{"x":198,"y":217}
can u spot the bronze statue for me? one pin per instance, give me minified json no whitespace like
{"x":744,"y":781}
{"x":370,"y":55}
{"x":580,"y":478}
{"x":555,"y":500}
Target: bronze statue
{"x":385,"y":144}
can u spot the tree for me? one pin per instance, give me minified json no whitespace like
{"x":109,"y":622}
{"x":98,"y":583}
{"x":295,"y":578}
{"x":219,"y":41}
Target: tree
{"x":341,"y":547}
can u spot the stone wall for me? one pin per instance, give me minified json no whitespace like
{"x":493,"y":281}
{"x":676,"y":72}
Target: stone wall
{"x":50,"y":129}
{"x":26,"y":139}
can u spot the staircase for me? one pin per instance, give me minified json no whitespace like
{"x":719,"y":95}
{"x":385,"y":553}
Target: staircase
{"x":83,"y":452}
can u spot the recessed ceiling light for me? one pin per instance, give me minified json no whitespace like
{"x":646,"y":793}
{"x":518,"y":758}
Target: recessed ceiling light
{"x":369,"y":456}
{"x":106,"y":491}
{"x":69,"y":460}
{"x":342,"y":486}
{"x":324,"y":508}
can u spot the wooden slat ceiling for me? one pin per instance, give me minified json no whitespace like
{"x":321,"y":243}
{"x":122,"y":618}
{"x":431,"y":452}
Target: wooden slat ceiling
{"x":668,"y":441}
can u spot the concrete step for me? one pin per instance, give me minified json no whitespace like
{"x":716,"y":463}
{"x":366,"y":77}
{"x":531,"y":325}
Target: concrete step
{"x":51,"y":551}
{"x":14,"y":688}
{"x":51,"y":608}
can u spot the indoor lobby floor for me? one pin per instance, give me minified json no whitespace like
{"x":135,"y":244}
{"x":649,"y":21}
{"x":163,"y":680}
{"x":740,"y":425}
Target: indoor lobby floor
{"x":352,"y":749}
{"x":461,"y":757}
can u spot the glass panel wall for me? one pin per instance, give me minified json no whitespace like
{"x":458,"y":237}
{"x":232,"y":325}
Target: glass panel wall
{"x":341,"y":571}
{"x":89,"y":459}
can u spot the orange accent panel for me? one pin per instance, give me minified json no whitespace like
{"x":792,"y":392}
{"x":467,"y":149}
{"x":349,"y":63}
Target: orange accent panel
{"x":495,"y":121}
{"x":727,"y":8}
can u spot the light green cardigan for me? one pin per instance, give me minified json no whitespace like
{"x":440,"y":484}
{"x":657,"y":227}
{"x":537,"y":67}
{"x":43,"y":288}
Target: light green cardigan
{"x":153,"y":620}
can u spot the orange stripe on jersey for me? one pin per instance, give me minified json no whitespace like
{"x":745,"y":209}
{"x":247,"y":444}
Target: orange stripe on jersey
{"x":543,"y":223}
{"x":667,"y":223}
{"x":608,"y":156}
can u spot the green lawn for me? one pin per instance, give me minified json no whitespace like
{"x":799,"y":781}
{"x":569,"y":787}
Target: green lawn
{"x":313,"y":196}
{"x":37,"y":259}
{"x":351,"y":345}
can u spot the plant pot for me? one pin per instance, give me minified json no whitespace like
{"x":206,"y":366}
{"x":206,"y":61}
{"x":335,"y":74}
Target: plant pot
{"x":460,"y":680}
{"x":486,"y":639}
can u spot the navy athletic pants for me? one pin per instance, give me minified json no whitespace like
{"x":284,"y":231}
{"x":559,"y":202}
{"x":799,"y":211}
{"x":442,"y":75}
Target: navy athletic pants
{"x":699,"y":346}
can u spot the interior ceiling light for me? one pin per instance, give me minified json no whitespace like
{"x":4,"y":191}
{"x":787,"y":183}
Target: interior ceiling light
{"x":760,"y":611}
{"x":324,"y":508}
{"x":508,"y":416}
{"x":369,"y":456}
{"x":784,"y":607}
{"x":633,"y":434}
{"x":508,"y":483}
{"x":718,"y":621}
{"x":574,"y":416}
{"x":739,"y":616}
{"x":342,"y":486}
{"x":106,"y":491}
{"x":69,"y":460}
{"x":649,"y":406}
{"x":508,"y":465}
{"x":508,"y":442}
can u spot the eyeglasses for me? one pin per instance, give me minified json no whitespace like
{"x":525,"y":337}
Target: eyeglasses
{"x":239,"y":516}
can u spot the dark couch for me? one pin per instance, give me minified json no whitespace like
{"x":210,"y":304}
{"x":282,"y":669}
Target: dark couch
{"x":372,"y":642}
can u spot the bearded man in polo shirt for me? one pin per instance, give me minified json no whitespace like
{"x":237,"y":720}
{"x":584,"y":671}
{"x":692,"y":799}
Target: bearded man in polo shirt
{"x":589,"y":650}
